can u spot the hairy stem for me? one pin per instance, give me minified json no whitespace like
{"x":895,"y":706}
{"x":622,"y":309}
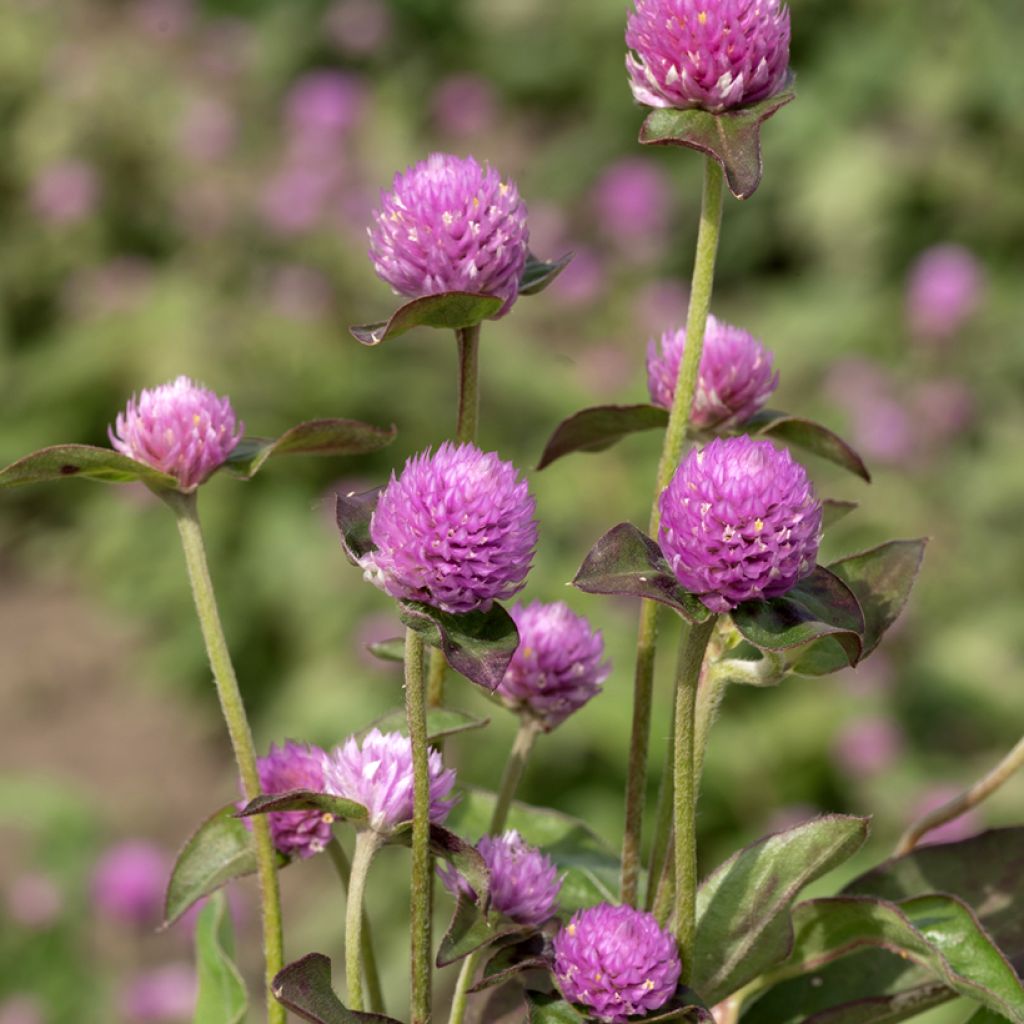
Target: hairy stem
{"x":514,"y":767}
{"x":675,"y":436}
{"x":187,"y":515}
{"x":469,"y":384}
{"x":367,"y":844}
{"x":460,"y":998}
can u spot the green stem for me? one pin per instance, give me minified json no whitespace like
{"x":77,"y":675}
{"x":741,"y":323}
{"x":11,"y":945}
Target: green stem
{"x":693,"y":644}
{"x":469,"y":384}
{"x":340,"y":860}
{"x":419,"y":916}
{"x":357,"y":937}
{"x":436,"y":671}
{"x":675,"y":436}
{"x":661,"y":846}
{"x":514,"y":767}
{"x":461,"y":995}
{"x":186,"y":513}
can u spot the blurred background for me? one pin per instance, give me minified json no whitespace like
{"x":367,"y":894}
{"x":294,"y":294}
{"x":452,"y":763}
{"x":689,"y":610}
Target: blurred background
{"x":185,"y":187}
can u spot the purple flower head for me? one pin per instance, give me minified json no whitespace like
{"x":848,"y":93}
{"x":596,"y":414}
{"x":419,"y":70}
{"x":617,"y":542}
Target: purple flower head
{"x":324,"y":105}
{"x":943,"y":291}
{"x":464,"y":105}
{"x":377,"y":773}
{"x":631,"y":199}
{"x":295,"y":766}
{"x":617,"y":962}
{"x":868,"y":747}
{"x":715,"y":54}
{"x":128,"y":883}
{"x":524,"y":882}
{"x":455,"y":530}
{"x":739,"y":521}
{"x":179,"y":428}
{"x":735,"y":377}
{"x":557,"y":666}
{"x":450,"y":225}
{"x":162,"y":995}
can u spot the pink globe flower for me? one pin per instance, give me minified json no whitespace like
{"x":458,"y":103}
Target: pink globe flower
{"x":714,"y":54}
{"x":739,"y":521}
{"x":129,"y":881}
{"x":735,"y":378}
{"x":943,"y":291}
{"x":450,"y":225}
{"x":295,"y":766}
{"x":180,"y":428}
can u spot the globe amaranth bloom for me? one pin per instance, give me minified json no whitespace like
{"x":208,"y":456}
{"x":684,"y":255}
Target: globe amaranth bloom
{"x":713,"y":54}
{"x":455,"y":530}
{"x":557,"y":666}
{"x":180,"y":428}
{"x":616,"y":961}
{"x":739,"y":521}
{"x":524,"y":882}
{"x":377,"y":773}
{"x":295,"y":766}
{"x":450,"y":225}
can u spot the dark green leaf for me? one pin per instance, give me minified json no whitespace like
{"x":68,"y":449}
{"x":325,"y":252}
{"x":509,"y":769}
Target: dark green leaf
{"x":551,"y":1009}
{"x":832,"y":511}
{"x":598,"y":428}
{"x":353,"y":512}
{"x":821,"y":605}
{"x":537,"y":274}
{"x":63,"y":461}
{"x":222,"y":996}
{"x":334,"y":808}
{"x":452,"y":310}
{"x":316,"y":437}
{"x":743,"y":922}
{"x":627,"y":562}
{"x":810,"y":436}
{"x":441,"y":722}
{"x":733,"y":138}
{"x":471,"y":929}
{"x":986,"y":1016}
{"x":479,"y":645}
{"x":388,"y":650}
{"x":685,"y":1005}
{"x":304,"y":987}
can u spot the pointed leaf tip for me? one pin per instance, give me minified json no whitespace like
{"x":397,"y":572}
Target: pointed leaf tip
{"x":538,"y":275}
{"x":810,"y":436}
{"x":353,"y":512}
{"x":600,"y":427}
{"x":304,"y":987}
{"x":64,"y":461}
{"x":450,"y":310}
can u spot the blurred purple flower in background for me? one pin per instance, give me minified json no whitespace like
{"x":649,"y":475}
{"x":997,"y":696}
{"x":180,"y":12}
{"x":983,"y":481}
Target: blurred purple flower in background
{"x":66,"y":192}
{"x":296,"y":766}
{"x":295,"y":198}
{"x":21,"y":1009}
{"x":300,"y":293}
{"x":944,"y":408}
{"x":322,"y":107}
{"x":944,"y":289}
{"x":631,"y":200}
{"x":129,"y":881}
{"x":358,"y":27}
{"x":464,"y":106}
{"x":208,"y":129}
{"x":34,"y":900}
{"x":868,"y":747}
{"x":583,"y":280}
{"x":160,"y":996}
{"x":952,"y":831}
{"x":163,"y":19}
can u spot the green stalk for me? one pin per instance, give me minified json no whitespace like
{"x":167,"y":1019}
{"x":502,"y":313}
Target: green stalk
{"x":675,"y":436}
{"x":186,"y":513}
{"x":367,"y":844}
{"x":419,"y":915}
{"x":460,"y":998}
{"x":514,"y":767}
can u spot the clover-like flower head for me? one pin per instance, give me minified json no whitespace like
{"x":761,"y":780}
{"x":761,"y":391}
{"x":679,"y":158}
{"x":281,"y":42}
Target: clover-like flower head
{"x":288,"y":767}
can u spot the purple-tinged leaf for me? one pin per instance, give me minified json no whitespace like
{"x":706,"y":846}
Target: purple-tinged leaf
{"x":222,"y":997}
{"x":537,"y":274}
{"x":733,"y":138}
{"x":471,"y":929}
{"x":513,"y":958}
{"x":441,"y":723}
{"x":304,"y":987}
{"x":451,"y":310}
{"x":625,"y":562}
{"x":478,"y":645}
{"x":354,"y":512}
{"x":64,"y":461}
{"x":334,"y":808}
{"x":600,"y":427}
{"x":832,"y":511}
{"x":810,"y":436}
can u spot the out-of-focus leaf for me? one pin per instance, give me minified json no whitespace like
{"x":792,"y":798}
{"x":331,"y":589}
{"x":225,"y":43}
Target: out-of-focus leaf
{"x":304,"y":988}
{"x":600,"y":427}
{"x":222,"y":996}
{"x":388,"y":650}
{"x":451,"y":310}
{"x":832,"y":511}
{"x":537,"y":274}
{"x":64,"y":461}
{"x":353,"y":512}
{"x":441,"y":722}
{"x":810,"y":436}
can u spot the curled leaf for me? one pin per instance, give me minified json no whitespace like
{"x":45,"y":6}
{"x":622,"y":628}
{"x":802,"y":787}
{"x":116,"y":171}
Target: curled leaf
{"x":353,"y":512}
{"x":600,"y":427}
{"x":64,"y":461}
{"x":810,"y":436}
{"x":304,"y":987}
{"x":452,"y":310}
{"x":537,"y":274}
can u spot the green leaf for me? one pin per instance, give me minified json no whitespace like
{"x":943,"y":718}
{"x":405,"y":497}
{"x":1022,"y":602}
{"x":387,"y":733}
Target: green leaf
{"x":733,"y":138}
{"x":551,"y":1009}
{"x":304,"y":987}
{"x":389,"y":650}
{"x":478,"y":645}
{"x":452,"y":310}
{"x":222,"y":997}
{"x":316,"y":437}
{"x":600,"y":427}
{"x":353,"y":512}
{"x":441,"y":722}
{"x":333,"y":808}
{"x":471,"y":929}
{"x":514,"y":957}
{"x":537,"y":274}
{"x":986,"y":1016}
{"x":810,"y":436}
{"x":627,"y":562}
{"x":832,"y":511}
{"x":64,"y":461}
{"x":821,"y":605}
{"x":743,"y":921}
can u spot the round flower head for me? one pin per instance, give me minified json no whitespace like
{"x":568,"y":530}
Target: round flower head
{"x":377,"y":773}
{"x":524,"y":883}
{"x":129,"y":881}
{"x":735,"y":378}
{"x":557,"y":666}
{"x":739,"y":521}
{"x":943,"y":291}
{"x":455,"y":530}
{"x":617,"y":962}
{"x":180,"y":428}
{"x":295,"y":766}
{"x":714,"y":54}
{"x":450,"y":225}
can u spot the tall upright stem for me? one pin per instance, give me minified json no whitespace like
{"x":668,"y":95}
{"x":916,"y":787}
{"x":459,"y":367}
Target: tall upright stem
{"x":419,"y":916}
{"x":675,"y":435}
{"x":469,"y":384}
{"x":186,"y":513}
{"x":693,"y":644}
{"x":514,"y":767}
{"x":367,"y":844}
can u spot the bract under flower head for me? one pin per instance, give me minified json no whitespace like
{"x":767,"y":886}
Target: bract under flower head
{"x":450,"y":225}
{"x":617,"y":962}
{"x":377,"y":773}
{"x":557,"y":667}
{"x":739,"y":521}
{"x":735,"y":378}
{"x":455,"y":530}
{"x":180,"y":428}
{"x":713,"y":54}
{"x":295,"y":766}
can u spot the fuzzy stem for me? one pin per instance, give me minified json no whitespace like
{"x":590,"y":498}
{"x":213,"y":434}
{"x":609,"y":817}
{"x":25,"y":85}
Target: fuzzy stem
{"x":661,"y":846}
{"x":693,"y":644}
{"x":967,"y":800}
{"x":437,"y":668}
{"x":514,"y":767}
{"x":469,"y":384}
{"x":367,"y":844}
{"x":460,"y":998}
{"x":675,"y":436}
{"x":187,"y":515}
{"x":419,"y":915}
